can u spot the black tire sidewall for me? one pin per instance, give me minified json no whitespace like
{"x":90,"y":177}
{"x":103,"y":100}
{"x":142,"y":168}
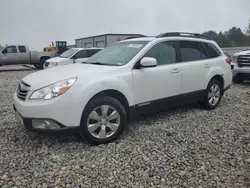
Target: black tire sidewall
{"x":206,"y":101}
{"x":37,"y":66}
{"x":95,"y":102}
{"x":42,"y":63}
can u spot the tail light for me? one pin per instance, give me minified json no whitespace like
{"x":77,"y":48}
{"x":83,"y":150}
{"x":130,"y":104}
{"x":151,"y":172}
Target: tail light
{"x":229,"y":61}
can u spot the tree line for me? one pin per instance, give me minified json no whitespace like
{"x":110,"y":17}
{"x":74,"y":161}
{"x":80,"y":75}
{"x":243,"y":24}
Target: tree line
{"x":234,"y":37}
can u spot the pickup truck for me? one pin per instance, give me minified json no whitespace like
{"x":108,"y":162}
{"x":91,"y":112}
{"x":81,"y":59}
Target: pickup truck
{"x":241,"y":62}
{"x":20,"y":54}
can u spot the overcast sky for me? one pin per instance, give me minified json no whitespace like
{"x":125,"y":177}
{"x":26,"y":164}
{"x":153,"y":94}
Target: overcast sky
{"x":38,"y":22}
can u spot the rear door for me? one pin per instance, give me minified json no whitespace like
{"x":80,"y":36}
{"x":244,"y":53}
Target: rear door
{"x":9,"y":56}
{"x":194,"y":66}
{"x":24,"y":56}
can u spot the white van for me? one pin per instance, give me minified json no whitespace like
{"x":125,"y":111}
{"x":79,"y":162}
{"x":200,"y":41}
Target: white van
{"x":73,"y":55}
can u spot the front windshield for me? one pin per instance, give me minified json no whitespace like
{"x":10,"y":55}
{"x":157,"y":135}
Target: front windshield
{"x":68,"y":53}
{"x":118,"y":53}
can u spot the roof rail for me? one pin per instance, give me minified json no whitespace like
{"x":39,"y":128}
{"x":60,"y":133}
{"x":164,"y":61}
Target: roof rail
{"x":183,"y":34}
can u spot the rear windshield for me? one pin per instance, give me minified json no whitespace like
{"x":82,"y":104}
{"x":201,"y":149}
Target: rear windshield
{"x":117,"y":54}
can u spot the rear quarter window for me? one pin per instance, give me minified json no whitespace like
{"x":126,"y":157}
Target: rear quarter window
{"x":212,"y":50}
{"x":191,"y":51}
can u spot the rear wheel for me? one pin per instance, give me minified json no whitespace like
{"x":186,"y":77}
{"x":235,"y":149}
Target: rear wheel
{"x":37,"y":66}
{"x":42,"y":63}
{"x":213,"y":95}
{"x":103,"y":120}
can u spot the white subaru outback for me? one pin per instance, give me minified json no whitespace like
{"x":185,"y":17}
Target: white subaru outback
{"x":134,"y":76}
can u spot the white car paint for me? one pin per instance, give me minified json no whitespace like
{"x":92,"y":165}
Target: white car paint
{"x":237,"y":69}
{"x":137,"y":85}
{"x":59,"y":61}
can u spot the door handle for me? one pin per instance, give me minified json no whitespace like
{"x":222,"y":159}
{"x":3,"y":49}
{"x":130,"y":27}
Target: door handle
{"x":207,"y":65}
{"x":175,"y":70}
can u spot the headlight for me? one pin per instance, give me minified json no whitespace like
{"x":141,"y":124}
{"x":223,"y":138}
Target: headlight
{"x":234,"y":59}
{"x":53,"y":90}
{"x":54,"y":63}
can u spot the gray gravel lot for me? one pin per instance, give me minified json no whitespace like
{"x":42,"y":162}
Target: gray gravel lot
{"x":208,"y":149}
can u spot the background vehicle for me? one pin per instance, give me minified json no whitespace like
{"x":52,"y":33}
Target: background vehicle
{"x":20,"y":54}
{"x":241,"y":62}
{"x":97,"y":98}
{"x":73,"y":55}
{"x":59,"y":48}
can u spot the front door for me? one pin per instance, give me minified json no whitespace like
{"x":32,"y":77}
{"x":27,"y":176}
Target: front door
{"x":9,"y":56}
{"x":158,"y":85}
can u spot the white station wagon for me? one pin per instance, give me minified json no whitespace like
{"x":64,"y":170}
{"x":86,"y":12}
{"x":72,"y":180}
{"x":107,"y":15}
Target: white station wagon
{"x":134,"y":76}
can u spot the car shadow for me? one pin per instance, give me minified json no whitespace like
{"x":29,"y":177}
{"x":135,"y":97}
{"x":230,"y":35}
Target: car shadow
{"x":72,"y":140}
{"x":28,"y":68}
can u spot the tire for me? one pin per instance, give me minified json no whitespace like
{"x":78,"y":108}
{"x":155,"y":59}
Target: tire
{"x":207,"y":103}
{"x":97,"y":107}
{"x":37,"y":66}
{"x":237,"y":80}
{"x":42,"y":61}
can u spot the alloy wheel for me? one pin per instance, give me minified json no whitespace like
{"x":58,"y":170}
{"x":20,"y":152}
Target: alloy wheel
{"x":103,"y":121}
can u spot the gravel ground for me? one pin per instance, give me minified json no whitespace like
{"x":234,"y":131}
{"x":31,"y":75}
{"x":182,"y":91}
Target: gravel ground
{"x":184,"y":147}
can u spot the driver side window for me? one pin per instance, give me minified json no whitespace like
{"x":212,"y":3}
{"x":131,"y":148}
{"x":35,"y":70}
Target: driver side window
{"x":81,"y":54}
{"x":10,"y":49}
{"x":163,"y":52}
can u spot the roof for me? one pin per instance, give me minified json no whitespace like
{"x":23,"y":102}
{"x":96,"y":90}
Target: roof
{"x":112,"y":34}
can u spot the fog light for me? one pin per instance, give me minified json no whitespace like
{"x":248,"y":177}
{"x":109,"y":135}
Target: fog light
{"x":44,"y":124}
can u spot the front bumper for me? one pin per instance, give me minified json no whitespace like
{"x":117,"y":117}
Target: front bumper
{"x":27,"y":123}
{"x":65,"y":110}
{"x":236,"y":70}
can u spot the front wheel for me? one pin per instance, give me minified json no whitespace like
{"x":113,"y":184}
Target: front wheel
{"x":212,"y":95}
{"x":103,"y":120}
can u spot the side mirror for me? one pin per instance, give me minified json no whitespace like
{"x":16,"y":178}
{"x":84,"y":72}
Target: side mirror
{"x":148,"y":62}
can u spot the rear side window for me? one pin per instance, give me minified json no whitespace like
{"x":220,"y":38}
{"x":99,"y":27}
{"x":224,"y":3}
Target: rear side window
{"x":92,"y":52}
{"x":22,"y":49}
{"x":81,"y":54}
{"x":192,"y":51}
{"x":212,"y":50}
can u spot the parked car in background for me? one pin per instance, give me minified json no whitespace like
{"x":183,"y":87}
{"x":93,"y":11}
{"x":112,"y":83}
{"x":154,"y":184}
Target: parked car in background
{"x":135,"y":76}
{"x":241,"y":62}
{"x":20,"y":54}
{"x":73,"y":55}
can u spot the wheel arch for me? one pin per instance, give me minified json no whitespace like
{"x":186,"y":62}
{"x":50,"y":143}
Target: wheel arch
{"x":116,"y":95}
{"x":220,"y":79}
{"x":44,"y":57}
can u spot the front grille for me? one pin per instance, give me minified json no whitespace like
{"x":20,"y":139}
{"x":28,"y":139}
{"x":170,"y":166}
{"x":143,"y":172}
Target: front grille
{"x":22,"y":90}
{"x":243,"y":61}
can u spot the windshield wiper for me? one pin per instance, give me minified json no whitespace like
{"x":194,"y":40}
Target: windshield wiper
{"x":96,"y":63}
{"x":99,"y":63}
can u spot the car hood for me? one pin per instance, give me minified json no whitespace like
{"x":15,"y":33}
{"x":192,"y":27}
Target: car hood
{"x":46,"y":77}
{"x":57,"y":59}
{"x":242,"y":53}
